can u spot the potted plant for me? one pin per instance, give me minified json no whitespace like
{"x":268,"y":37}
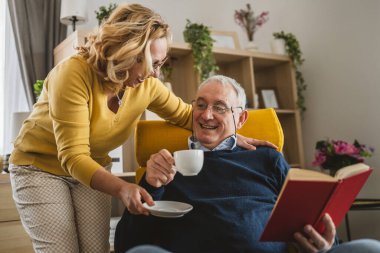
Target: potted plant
{"x":333,"y":155}
{"x":103,"y":13}
{"x":250,"y":23}
{"x":292,"y":48}
{"x":37,"y":88}
{"x":199,"y":37}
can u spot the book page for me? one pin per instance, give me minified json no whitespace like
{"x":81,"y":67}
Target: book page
{"x":351,"y":170}
{"x":309,"y":175}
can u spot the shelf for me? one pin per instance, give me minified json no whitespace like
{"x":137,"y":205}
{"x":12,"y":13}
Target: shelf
{"x":266,"y":60}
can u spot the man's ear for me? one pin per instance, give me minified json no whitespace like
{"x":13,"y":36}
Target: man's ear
{"x":243,"y":116}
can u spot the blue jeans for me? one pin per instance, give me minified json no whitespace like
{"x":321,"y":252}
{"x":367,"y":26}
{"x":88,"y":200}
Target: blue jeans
{"x":360,"y":246}
{"x":357,"y":246}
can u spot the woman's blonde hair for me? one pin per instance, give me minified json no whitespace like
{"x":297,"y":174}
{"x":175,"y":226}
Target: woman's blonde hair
{"x":121,"y":41}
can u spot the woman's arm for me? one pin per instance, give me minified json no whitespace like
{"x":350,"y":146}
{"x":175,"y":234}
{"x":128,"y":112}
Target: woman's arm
{"x":69,"y":88}
{"x":130,"y":194}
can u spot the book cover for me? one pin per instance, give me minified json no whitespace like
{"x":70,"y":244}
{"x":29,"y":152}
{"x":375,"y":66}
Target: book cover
{"x":307,"y":195}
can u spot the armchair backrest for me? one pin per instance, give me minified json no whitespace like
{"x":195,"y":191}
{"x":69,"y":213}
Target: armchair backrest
{"x":152,"y":135}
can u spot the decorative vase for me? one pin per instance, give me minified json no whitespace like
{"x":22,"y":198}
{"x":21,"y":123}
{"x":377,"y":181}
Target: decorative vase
{"x":251,"y":46}
{"x":278,"y":46}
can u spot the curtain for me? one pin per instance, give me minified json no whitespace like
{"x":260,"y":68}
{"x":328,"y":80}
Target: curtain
{"x":37,"y":31}
{"x":14,"y":97}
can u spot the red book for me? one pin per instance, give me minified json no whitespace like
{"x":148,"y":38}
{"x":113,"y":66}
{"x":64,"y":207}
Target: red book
{"x":307,"y":195}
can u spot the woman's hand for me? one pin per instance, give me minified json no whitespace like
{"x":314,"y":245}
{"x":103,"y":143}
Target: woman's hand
{"x":315,"y":242}
{"x":250,"y":143}
{"x":131,"y":196}
{"x":160,"y":168}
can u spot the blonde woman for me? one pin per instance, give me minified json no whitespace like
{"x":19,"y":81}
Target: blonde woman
{"x":89,"y":104}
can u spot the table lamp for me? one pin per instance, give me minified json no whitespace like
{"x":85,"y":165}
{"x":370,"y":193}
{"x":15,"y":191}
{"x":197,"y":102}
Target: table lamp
{"x":73,"y":12}
{"x":17,"y":119}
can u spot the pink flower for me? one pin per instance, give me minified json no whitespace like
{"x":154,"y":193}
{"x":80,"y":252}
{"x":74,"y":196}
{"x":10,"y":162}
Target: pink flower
{"x":344,"y":148}
{"x":319,"y":158}
{"x":249,"y":22}
{"x":333,"y":155}
{"x":260,"y":20}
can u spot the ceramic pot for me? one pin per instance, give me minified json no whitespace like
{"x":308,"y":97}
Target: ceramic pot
{"x":278,"y":46}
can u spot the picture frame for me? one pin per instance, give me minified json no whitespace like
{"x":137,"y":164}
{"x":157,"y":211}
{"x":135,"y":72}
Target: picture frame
{"x":269,"y":98}
{"x":224,"y":39}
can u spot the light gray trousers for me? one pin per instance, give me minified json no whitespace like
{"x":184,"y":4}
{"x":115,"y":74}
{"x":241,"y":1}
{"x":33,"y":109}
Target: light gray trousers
{"x":59,"y":213}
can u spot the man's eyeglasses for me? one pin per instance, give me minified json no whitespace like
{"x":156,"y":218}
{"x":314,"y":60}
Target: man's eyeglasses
{"x":218,"y":108}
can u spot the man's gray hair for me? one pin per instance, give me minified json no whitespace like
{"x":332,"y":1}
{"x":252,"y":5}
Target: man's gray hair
{"x":224,"y":80}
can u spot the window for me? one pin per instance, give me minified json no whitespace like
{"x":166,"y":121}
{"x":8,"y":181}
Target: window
{"x":12,"y":94}
{"x":2,"y":56}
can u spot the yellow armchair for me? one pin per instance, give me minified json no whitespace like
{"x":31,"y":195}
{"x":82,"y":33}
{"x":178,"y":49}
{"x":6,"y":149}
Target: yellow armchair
{"x":152,"y":136}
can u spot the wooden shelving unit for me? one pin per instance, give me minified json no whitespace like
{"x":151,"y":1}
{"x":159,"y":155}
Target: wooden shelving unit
{"x":254,"y":71}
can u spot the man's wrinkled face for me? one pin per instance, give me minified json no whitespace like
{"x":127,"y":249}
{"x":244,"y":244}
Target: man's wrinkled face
{"x":213,"y":120}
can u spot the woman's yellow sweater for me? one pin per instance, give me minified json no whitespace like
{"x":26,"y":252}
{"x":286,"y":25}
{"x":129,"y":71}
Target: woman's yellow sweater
{"x":71,"y":129}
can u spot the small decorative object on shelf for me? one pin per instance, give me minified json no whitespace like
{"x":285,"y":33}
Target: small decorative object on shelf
{"x":103,"y":13}
{"x":278,"y":46}
{"x":333,"y":155}
{"x":199,"y":37}
{"x":250,"y":23}
{"x":292,"y":48}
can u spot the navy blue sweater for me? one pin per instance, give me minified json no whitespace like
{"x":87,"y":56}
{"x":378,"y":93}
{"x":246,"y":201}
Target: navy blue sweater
{"x":232,"y":197}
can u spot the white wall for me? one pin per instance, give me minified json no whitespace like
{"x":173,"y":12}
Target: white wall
{"x":340,"y":40}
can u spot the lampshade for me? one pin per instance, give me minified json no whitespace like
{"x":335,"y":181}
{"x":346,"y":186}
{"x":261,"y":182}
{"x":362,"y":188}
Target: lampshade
{"x":73,"y":12}
{"x":16,"y":122}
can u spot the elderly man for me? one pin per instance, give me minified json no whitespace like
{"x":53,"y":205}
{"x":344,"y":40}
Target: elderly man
{"x":233,"y":195}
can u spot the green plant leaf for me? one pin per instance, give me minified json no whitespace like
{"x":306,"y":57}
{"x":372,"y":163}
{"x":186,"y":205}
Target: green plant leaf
{"x":37,"y":87}
{"x":199,"y":37}
{"x":293,"y":49}
{"x":103,"y":12}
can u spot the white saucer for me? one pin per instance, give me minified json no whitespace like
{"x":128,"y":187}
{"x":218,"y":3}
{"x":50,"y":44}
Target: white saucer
{"x":168,"y":209}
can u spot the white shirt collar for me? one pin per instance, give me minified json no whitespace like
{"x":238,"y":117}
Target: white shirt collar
{"x":227,"y":144}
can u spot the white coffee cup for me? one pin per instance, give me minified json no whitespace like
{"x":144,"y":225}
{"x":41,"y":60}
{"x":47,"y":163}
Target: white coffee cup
{"x":189,"y":162}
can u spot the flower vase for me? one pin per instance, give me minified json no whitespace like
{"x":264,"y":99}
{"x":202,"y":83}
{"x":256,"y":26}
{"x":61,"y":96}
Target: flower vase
{"x":251,"y":46}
